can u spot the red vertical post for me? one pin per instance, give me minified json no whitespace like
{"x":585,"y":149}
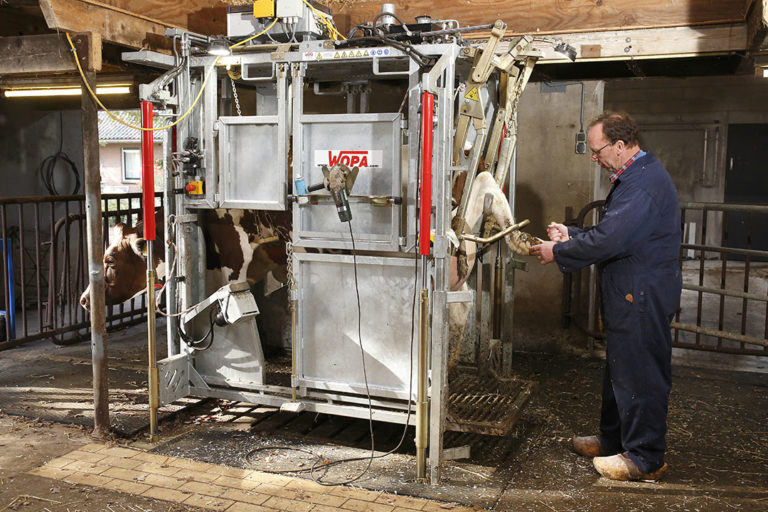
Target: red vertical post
{"x":147,"y":171}
{"x":427,"y":104}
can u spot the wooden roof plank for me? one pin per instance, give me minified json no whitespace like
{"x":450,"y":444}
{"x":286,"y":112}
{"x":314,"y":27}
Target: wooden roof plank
{"x":555,"y":16}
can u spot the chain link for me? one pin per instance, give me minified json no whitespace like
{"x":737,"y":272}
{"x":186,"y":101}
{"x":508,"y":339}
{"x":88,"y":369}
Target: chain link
{"x":289,"y":255}
{"x":234,"y":95}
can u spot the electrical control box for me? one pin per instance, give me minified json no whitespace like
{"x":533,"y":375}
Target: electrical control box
{"x":290,"y":9}
{"x":296,"y":21}
{"x":264,"y":8}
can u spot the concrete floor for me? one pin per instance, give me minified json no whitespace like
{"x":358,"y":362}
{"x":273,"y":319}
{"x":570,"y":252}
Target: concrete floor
{"x":718,"y":443}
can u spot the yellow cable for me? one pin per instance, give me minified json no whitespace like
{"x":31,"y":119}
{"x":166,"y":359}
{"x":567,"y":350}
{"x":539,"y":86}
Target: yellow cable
{"x":180,"y":119}
{"x":254,"y":37}
{"x":113,"y":116}
{"x":324,"y":19}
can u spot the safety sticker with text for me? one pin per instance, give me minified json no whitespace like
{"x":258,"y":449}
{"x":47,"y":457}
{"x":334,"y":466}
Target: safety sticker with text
{"x":362,"y":158}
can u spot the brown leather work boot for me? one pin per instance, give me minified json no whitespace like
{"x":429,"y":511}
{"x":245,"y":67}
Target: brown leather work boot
{"x":588,"y":446}
{"x":621,"y":467}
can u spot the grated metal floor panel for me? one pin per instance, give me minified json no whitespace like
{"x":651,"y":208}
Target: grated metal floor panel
{"x":483,"y":405}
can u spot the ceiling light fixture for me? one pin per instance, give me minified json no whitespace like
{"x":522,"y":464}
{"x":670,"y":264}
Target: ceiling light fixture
{"x":219,"y":47}
{"x":29,"y":92}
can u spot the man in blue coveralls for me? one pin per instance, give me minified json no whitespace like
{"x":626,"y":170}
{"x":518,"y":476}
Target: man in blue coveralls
{"x":636,"y":246}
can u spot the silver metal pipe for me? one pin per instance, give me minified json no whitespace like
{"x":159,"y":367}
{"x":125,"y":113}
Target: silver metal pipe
{"x":501,"y":234}
{"x":152,"y":378}
{"x":720,"y":334}
{"x":422,"y":405}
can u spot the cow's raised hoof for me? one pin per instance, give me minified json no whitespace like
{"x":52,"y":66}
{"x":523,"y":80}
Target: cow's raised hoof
{"x":621,"y":467}
{"x":590,"y":446}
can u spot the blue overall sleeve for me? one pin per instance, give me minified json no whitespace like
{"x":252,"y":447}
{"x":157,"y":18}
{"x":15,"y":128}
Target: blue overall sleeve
{"x":629,"y":219}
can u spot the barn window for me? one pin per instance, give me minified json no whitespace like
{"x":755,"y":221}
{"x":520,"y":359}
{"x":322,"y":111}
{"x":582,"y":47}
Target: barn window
{"x":131,"y":164}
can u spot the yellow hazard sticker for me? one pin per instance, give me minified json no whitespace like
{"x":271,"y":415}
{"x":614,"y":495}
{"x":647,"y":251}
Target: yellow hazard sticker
{"x":472,"y":94}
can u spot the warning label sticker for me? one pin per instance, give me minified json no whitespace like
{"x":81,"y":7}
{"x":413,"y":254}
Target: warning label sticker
{"x":472,"y":94}
{"x":365,"y":158}
{"x":361,"y":53}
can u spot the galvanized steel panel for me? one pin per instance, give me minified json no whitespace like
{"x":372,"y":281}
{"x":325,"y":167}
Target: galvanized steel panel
{"x":250,"y":173}
{"x":328,"y":347}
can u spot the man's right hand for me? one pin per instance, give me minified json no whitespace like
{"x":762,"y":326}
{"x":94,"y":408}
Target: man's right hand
{"x":557,"y":232}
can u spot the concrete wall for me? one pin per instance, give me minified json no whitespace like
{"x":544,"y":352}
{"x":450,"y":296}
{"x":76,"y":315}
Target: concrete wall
{"x":685,"y":122}
{"x":28,"y":137}
{"x":550,"y":176}
{"x":675,"y":117}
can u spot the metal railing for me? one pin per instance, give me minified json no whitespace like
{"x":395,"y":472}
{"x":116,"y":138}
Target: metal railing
{"x":724,"y":303}
{"x":45,"y":267}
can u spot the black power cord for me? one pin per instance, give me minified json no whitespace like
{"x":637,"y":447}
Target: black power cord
{"x":198,"y":344}
{"x":48,"y":165}
{"x":320,"y":462}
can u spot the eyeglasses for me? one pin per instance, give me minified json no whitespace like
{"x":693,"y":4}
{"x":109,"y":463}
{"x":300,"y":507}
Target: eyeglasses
{"x":597,"y":152}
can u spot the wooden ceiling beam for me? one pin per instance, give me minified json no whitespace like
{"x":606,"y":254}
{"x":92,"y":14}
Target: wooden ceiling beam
{"x":115,"y":25}
{"x":554,"y":16}
{"x":648,"y":43}
{"x":49,"y":53}
{"x":757,"y":27}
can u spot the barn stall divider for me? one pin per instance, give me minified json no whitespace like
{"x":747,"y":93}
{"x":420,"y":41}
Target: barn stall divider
{"x":724,"y":304}
{"x":44,"y":264}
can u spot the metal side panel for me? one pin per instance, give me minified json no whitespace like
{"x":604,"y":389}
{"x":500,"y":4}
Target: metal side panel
{"x":373,"y":143}
{"x":252,"y":171}
{"x":176,"y":377}
{"x":329,"y":355}
{"x":235,"y":357}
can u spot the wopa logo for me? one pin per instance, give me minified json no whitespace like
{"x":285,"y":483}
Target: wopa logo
{"x":350,"y":158}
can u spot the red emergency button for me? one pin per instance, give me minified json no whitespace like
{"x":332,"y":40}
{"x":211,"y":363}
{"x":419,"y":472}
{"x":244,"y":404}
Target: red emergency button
{"x":194,"y":187}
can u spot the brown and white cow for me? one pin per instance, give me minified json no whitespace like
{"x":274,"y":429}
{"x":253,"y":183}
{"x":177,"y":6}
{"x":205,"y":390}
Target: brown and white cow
{"x":235,"y":246}
{"x":244,"y":245}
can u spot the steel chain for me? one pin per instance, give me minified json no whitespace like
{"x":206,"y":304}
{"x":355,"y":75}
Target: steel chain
{"x":289,"y":258}
{"x":234,"y":96}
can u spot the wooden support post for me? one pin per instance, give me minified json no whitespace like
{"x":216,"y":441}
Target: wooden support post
{"x":90,"y":121}
{"x":757,"y":27}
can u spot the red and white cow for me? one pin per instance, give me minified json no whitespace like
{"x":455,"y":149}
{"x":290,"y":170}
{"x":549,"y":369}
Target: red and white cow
{"x":235,"y":246}
{"x":244,"y":245}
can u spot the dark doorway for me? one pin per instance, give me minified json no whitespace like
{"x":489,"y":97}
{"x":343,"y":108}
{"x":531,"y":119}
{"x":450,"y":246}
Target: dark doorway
{"x":746,"y":182}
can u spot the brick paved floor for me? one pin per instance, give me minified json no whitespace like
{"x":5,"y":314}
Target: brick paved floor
{"x":214,"y":487}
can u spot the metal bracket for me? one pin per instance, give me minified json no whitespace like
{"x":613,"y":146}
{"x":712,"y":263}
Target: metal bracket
{"x":463,"y":296}
{"x":520,"y":265}
{"x":457,"y":452}
{"x":175,"y":376}
{"x":186,"y":218}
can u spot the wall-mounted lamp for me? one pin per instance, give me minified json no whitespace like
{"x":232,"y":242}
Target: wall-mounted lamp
{"x":28,"y":92}
{"x":761,"y":66}
{"x":219,"y":47}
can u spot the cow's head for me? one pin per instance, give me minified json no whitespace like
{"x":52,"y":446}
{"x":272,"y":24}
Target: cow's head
{"x":125,"y":266}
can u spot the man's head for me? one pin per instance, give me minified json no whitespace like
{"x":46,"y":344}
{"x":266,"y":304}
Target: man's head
{"x":612,"y":138}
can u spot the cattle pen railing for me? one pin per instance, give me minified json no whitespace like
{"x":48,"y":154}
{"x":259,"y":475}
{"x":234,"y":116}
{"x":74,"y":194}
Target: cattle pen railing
{"x":724,"y":303}
{"x":45,"y":267}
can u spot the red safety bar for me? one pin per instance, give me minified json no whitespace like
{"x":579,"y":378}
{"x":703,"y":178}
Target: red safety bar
{"x":147,"y":171}
{"x":427,"y":104}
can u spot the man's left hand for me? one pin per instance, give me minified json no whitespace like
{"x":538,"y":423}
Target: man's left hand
{"x":543,"y":251}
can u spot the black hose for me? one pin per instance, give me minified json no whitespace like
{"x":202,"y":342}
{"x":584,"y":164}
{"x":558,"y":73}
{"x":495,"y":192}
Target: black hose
{"x":48,"y":165}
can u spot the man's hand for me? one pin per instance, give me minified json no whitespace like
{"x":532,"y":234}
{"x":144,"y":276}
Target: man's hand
{"x":543,"y":251}
{"x":557,"y":232}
